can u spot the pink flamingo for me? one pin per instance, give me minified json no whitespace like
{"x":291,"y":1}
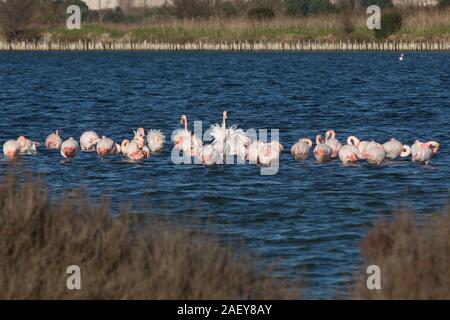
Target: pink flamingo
{"x":135,"y":150}
{"x":375,"y":154}
{"x":394,"y":149}
{"x":322,"y":151}
{"x":89,"y":140}
{"x":106,"y":146}
{"x":423,"y":151}
{"x":27,"y":146}
{"x":332,"y":142}
{"x":348,"y":153}
{"x":184,"y":140}
{"x":53,"y":141}
{"x":69,"y":148}
{"x":300,"y":150}
{"x":11,"y":149}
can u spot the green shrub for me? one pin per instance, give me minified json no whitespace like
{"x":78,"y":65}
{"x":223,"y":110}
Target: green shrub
{"x":390,"y":24}
{"x":227,"y":9}
{"x":263,"y":13}
{"x":307,"y":7}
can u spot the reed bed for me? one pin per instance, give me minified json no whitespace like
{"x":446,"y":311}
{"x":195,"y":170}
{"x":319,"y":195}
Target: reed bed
{"x":414,"y":261}
{"x":418,"y":24}
{"x":39,"y":240}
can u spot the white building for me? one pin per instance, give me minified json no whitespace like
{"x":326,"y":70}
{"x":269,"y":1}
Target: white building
{"x":415,"y":3}
{"x":112,"y":4}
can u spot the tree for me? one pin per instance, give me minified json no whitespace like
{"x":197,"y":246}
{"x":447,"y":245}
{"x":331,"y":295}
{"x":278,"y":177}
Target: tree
{"x":262,"y":13}
{"x":444,"y":3}
{"x":381,"y":3}
{"x":17,"y":18}
{"x":307,"y":7}
{"x":390,"y":24}
{"x":103,"y":6}
{"x":191,"y":8}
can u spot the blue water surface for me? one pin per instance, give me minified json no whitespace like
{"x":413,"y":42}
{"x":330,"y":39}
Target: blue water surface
{"x":308,"y":219}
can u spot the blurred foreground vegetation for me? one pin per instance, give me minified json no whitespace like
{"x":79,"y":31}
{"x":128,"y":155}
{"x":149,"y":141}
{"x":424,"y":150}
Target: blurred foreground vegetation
{"x":118,"y":258}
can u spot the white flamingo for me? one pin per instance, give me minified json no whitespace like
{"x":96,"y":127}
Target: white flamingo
{"x":332,"y":142}
{"x":362,"y":146}
{"x":423,"y":151}
{"x":155,"y":140}
{"x":88,"y":141}
{"x":322,"y":151}
{"x":395,"y":148}
{"x":11,"y":149}
{"x":106,"y":146}
{"x":69,"y":148}
{"x":135,"y":150}
{"x":348,"y":153}
{"x":300,"y":150}
{"x":27,"y":146}
{"x":210,"y":155}
{"x":184,"y":140}
{"x":53,"y":141}
{"x":264,"y":153}
{"x":375,"y":154}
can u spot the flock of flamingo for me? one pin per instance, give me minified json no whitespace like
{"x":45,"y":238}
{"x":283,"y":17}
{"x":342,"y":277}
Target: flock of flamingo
{"x":226,"y":142}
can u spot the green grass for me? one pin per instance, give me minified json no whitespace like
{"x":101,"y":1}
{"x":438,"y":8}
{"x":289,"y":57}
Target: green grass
{"x":86,"y":32}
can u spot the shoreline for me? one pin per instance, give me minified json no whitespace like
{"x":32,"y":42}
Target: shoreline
{"x":301,"y":46}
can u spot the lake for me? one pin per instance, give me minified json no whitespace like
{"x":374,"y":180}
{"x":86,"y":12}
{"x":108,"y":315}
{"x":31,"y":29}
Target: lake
{"x":309,"y":218}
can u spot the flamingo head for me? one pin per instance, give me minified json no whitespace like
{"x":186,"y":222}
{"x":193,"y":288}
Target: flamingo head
{"x":434,"y":146}
{"x":225,"y":115}
{"x":406,"y":151}
{"x":183,"y":120}
{"x":124,"y":145}
{"x":319,"y":139}
{"x":22,"y":141}
{"x":352,"y":140}
{"x":330,"y":134}
{"x":307,"y":141}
